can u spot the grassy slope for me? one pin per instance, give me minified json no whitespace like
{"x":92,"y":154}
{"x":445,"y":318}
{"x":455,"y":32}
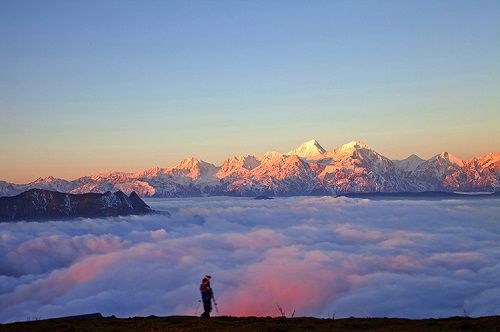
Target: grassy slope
{"x":185,"y":323}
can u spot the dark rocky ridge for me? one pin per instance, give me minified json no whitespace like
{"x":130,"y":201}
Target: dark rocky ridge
{"x":261,"y":197}
{"x":40,"y":204}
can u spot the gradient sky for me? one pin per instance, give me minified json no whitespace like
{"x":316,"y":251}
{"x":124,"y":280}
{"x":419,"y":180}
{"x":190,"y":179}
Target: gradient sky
{"x":90,"y":86}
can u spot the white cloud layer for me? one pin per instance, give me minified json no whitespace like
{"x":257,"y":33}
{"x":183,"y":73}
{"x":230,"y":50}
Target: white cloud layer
{"x":319,"y":256}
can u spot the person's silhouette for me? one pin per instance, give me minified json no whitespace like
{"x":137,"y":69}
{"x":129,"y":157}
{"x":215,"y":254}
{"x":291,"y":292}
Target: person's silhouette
{"x":206,"y":296}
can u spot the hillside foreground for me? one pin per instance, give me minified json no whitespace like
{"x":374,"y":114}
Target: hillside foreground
{"x":242,"y":324}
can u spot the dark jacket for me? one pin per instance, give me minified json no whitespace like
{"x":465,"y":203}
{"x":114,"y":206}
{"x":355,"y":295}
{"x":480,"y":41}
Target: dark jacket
{"x":206,"y":291}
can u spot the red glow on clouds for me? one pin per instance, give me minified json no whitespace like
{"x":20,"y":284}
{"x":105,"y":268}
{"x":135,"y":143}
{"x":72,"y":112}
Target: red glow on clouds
{"x":298,"y":282}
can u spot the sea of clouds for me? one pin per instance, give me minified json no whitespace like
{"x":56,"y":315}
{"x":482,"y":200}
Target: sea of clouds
{"x":319,"y":256}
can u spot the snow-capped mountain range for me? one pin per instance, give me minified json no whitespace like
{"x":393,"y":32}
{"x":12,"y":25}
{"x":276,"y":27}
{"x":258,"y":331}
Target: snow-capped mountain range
{"x":307,"y":170}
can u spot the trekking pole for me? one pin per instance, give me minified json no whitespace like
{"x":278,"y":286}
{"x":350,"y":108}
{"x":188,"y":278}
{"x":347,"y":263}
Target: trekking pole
{"x":197,"y":307}
{"x":215,"y":303}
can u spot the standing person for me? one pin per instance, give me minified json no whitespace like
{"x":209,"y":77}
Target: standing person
{"x":206,"y":295}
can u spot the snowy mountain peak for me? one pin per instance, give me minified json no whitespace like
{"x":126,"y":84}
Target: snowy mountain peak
{"x":309,"y":149}
{"x":351,"y":147}
{"x":409,"y":164}
{"x":237,"y":166}
{"x":48,"y":179}
{"x":490,"y":160}
{"x":269,"y":156}
{"x":188,"y":162}
{"x":195,"y":169}
{"x":195,"y":163}
{"x":150,"y":172}
{"x":448,"y":157}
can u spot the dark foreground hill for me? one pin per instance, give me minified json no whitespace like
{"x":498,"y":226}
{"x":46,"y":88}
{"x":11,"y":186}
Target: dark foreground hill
{"x":39,"y":204}
{"x":185,"y":323}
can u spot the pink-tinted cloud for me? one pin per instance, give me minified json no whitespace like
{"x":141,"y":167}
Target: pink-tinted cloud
{"x":318,"y":256}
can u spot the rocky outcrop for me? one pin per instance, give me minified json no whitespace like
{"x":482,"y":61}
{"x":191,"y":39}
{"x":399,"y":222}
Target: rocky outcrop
{"x":40,"y":204}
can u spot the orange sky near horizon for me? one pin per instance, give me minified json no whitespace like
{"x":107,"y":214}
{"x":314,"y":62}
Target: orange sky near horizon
{"x":80,"y":163}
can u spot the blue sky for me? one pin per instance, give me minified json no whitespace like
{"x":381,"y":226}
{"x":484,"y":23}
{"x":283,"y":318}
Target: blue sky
{"x":91,"y":86}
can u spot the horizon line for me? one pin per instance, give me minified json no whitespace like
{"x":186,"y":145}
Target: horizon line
{"x":90,"y":174}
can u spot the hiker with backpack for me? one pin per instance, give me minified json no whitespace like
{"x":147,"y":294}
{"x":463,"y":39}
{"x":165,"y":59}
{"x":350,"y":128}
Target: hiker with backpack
{"x":206,"y":295}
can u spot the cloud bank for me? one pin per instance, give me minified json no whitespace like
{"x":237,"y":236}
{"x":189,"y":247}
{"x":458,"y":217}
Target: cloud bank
{"x":318,"y":256}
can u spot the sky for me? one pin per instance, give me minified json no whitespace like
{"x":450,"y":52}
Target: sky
{"x":317,"y":256}
{"x":89,"y":86}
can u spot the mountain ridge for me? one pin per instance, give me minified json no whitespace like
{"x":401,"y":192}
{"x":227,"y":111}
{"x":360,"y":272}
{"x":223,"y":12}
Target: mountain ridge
{"x":308,"y":169}
{"x":42,"y":204}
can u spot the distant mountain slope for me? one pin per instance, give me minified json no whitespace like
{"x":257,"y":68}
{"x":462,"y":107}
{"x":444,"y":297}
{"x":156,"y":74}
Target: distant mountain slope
{"x":355,"y":167}
{"x":425,"y":195}
{"x":409,"y":164}
{"x":40,"y":204}
{"x":306,"y":170}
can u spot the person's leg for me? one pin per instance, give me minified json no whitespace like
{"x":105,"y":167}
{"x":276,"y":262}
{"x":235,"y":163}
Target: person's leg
{"x":206,"y":307}
{"x":204,"y":314}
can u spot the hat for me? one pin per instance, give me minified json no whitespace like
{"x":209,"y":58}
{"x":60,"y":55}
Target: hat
{"x":208,"y":277}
